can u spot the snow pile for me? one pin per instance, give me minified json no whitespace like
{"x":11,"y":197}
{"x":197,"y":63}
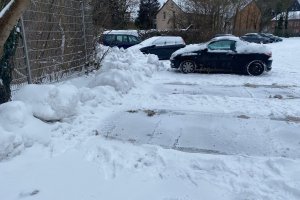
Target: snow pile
{"x":19,"y":129}
{"x":50,"y":102}
{"x":124,"y":69}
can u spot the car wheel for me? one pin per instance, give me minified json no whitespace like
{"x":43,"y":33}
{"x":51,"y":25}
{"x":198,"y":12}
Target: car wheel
{"x":255,"y":68}
{"x":187,"y":67}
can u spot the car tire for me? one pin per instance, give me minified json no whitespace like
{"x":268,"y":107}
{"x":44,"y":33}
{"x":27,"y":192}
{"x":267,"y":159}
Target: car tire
{"x":187,"y":67}
{"x":255,"y":68}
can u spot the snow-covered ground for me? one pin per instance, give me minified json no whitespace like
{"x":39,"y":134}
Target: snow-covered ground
{"x":138,"y":130}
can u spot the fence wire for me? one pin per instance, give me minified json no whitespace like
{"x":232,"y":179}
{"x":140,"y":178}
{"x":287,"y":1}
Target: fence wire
{"x":59,"y":39}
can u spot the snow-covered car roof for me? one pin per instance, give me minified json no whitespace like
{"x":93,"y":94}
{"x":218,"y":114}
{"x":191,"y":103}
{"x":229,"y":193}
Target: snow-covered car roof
{"x":160,"y":41}
{"x":121,"y":32}
{"x":242,"y":47}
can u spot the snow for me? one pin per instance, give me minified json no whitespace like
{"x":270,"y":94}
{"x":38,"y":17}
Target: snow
{"x":50,"y":102}
{"x":136,"y":129}
{"x":19,"y":129}
{"x":242,"y":47}
{"x":126,"y":32}
{"x":189,"y":49}
{"x":159,"y":41}
{"x":123,"y":70}
{"x":293,"y":15}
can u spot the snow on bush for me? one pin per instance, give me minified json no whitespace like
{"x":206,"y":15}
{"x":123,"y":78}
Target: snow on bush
{"x":124,"y":69}
{"x":19,"y":129}
{"x":50,"y":102}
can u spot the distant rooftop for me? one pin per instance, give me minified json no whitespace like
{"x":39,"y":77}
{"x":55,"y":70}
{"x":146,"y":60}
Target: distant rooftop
{"x":293,"y":15}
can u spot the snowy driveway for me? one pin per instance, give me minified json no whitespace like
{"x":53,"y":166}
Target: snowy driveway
{"x":183,"y":112}
{"x":216,"y":113}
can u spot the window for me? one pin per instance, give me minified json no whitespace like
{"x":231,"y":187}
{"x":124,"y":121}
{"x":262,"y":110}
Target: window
{"x":222,"y":45}
{"x":164,"y":15}
{"x":119,"y":38}
{"x":109,"y":38}
{"x":122,"y":38}
{"x":133,"y":39}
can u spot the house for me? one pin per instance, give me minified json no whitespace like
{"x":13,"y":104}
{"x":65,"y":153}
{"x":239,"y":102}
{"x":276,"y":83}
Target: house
{"x":295,"y":6}
{"x":238,"y":18}
{"x":247,"y":18}
{"x":169,"y":16}
{"x":293,"y":23}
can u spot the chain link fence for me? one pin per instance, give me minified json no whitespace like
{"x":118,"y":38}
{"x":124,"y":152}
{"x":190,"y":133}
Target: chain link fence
{"x":57,"y":42}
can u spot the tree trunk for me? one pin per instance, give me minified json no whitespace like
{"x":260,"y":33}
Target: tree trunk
{"x":9,"y":17}
{"x":15,"y":9}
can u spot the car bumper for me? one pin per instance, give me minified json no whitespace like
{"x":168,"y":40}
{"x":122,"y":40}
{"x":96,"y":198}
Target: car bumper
{"x":269,"y":65}
{"x":175,"y":64}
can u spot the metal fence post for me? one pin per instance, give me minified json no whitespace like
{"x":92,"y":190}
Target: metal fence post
{"x":29,"y":77}
{"x":84,"y":30}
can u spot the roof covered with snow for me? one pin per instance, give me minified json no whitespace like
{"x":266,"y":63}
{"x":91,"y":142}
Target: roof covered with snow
{"x":198,"y":7}
{"x":127,"y":32}
{"x":293,"y":15}
{"x":159,"y":41}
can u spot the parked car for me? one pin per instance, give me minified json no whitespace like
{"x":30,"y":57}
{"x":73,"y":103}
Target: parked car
{"x":162,"y":46}
{"x":230,"y":54}
{"x":120,"y":38}
{"x":272,"y":37}
{"x":256,"y":38}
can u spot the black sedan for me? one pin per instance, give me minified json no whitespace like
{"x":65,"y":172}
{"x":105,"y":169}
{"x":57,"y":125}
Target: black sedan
{"x":256,"y":38}
{"x":272,"y":37}
{"x":229,"y":54}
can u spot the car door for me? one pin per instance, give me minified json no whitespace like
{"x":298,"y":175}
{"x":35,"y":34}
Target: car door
{"x":164,"y":47}
{"x":220,"y":55}
{"x":161,"y":49}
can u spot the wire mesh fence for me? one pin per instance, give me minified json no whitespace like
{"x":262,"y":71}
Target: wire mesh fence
{"x":57,"y":42}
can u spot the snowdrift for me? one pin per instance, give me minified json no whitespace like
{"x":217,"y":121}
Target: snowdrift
{"x":22,"y":122}
{"x":19,"y":129}
{"x":124,"y":69}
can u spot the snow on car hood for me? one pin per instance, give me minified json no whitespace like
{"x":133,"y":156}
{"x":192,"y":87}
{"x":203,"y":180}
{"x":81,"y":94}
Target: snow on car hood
{"x":189,"y":49}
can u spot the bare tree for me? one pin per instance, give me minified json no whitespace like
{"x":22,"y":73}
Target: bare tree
{"x":113,"y":14}
{"x":9,"y":17}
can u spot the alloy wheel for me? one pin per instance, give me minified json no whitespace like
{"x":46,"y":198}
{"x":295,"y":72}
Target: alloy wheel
{"x":187,"y":67}
{"x":255,"y":68}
